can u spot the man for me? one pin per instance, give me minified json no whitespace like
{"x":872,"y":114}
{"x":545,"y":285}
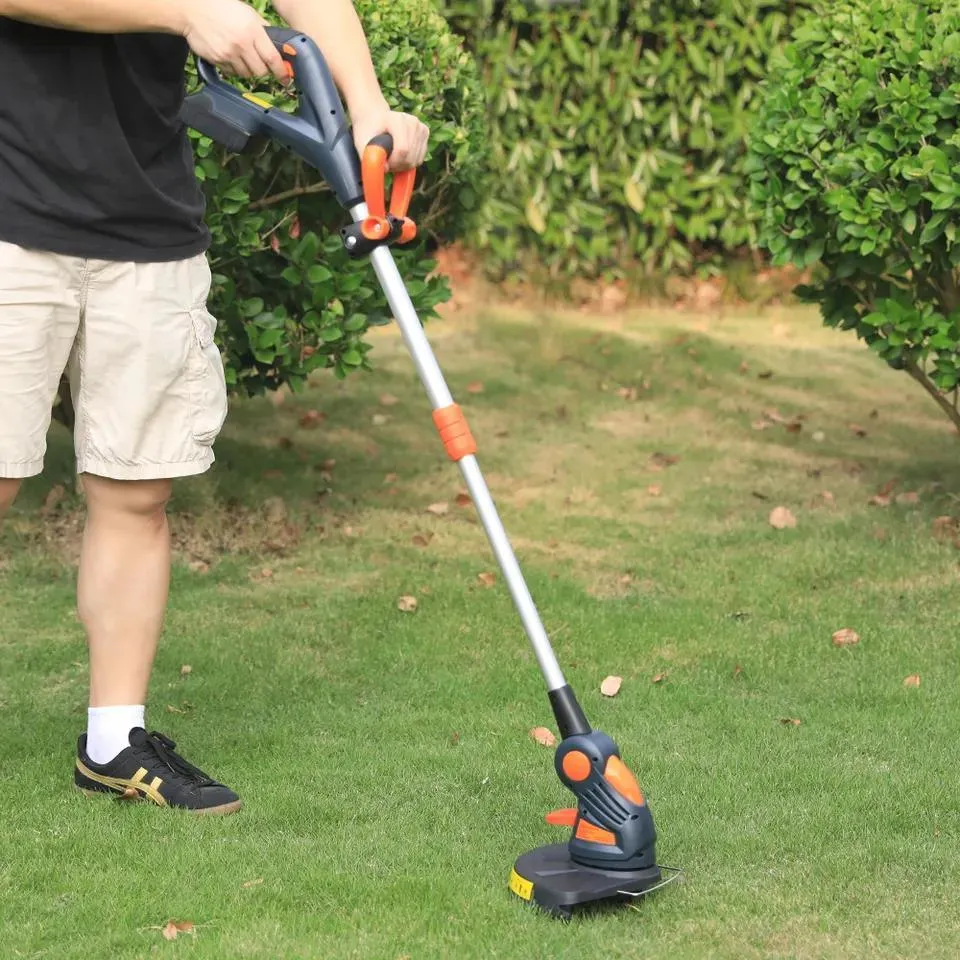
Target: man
{"x":103,"y":272}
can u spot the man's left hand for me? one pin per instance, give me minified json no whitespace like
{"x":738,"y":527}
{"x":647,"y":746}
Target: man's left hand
{"x":410,"y":136}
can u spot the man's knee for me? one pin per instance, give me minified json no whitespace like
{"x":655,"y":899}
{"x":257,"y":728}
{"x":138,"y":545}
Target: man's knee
{"x":8,"y":493}
{"x":143,"y":498}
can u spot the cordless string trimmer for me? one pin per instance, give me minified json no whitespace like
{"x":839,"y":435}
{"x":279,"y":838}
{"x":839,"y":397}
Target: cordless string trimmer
{"x":610,"y":853}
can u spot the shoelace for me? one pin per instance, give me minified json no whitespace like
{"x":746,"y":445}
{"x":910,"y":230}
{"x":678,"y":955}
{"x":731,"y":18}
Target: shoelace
{"x":165,"y":750}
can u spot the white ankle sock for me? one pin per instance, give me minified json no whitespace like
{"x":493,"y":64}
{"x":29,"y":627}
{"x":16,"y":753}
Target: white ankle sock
{"x":108,"y":730}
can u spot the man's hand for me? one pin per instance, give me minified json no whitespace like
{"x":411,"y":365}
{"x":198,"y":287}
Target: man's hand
{"x":231,"y":34}
{"x":410,"y":136}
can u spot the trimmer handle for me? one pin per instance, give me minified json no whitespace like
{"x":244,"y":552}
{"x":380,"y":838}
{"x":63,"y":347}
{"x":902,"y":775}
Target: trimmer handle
{"x":319,"y":132}
{"x":613,"y":827}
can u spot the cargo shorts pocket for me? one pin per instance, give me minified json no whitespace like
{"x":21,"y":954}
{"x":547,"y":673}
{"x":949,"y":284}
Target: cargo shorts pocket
{"x":208,"y":384}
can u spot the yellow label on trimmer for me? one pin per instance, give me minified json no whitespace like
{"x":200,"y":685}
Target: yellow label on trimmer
{"x":522,"y":888}
{"x":253,"y":98}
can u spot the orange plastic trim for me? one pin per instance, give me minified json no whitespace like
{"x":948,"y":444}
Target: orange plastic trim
{"x":409,"y":231}
{"x":375,"y":228}
{"x":454,"y":432}
{"x":562,"y":818}
{"x":401,"y":193}
{"x":618,"y":775}
{"x":576,"y":765}
{"x":373,"y":168}
{"x":289,"y":50}
{"x":590,"y":833}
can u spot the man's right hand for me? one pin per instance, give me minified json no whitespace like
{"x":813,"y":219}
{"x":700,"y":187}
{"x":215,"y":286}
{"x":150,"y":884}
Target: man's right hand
{"x":231,"y":35}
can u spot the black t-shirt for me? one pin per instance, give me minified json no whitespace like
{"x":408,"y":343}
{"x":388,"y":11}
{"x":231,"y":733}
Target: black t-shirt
{"x":94,"y":161}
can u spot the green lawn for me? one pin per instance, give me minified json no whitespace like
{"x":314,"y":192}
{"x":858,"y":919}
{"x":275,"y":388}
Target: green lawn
{"x":384,"y":757}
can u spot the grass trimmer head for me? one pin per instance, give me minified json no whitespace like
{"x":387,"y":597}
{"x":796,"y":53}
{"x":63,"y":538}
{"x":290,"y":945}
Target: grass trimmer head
{"x":610,"y":855}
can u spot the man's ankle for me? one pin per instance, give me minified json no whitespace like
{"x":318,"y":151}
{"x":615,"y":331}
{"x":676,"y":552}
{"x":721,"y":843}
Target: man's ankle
{"x":108,"y":730}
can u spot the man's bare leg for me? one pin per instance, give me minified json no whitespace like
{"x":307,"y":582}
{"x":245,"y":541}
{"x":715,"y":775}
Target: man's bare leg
{"x":121,"y":596}
{"x":8,"y":493}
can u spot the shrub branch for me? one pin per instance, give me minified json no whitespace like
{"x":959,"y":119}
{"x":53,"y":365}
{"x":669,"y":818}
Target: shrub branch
{"x":950,"y":409}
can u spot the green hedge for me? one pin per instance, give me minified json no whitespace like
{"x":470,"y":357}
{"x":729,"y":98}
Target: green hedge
{"x":288,"y":299}
{"x":856,"y":169}
{"x":617,"y":128}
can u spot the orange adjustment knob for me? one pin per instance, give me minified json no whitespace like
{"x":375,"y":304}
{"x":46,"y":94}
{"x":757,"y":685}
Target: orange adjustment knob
{"x":576,"y":765}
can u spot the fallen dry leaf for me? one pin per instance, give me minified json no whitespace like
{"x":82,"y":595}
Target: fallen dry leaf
{"x":744,"y":367}
{"x":879,"y":500}
{"x":388,"y":400}
{"x":199,"y":566}
{"x":912,"y":681}
{"x":737,"y":671}
{"x":173,"y":929}
{"x":253,"y":883}
{"x":422,"y":539}
{"x":660,"y":677}
{"x":761,"y":424}
{"x":627,"y":393}
{"x":654,"y":490}
{"x":328,"y":464}
{"x":909,"y":496}
{"x":172,"y":709}
{"x":611,"y":686}
{"x":794,"y":426}
{"x":454,"y":738}
{"x":857,"y":430}
{"x":790,"y":721}
{"x":475,"y":387}
{"x":660,"y":461}
{"x":51,"y":500}
{"x":311,"y":418}
{"x":625,"y":579}
{"x":438,"y":509}
{"x":407,"y":604}
{"x":487,"y":579}
{"x":186,"y":670}
{"x":782,"y":519}
{"x":945,"y":528}
{"x":378,"y":419}
{"x":765,"y":374}
{"x":845,"y":637}
{"x":543,"y":736}
{"x":463,"y":499}
{"x":390,"y":478}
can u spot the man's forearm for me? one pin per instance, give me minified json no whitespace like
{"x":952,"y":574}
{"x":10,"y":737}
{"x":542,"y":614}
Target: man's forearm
{"x":335,"y":27}
{"x":99,"y":16}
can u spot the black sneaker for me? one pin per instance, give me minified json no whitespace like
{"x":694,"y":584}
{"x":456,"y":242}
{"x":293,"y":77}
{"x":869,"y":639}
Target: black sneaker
{"x":150,"y":769}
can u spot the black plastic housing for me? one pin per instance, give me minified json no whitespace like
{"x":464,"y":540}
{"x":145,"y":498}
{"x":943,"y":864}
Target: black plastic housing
{"x":319,"y":132}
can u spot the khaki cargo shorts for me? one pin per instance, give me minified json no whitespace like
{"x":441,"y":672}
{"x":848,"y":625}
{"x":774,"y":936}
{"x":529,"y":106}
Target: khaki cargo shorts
{"x":146,"y":378}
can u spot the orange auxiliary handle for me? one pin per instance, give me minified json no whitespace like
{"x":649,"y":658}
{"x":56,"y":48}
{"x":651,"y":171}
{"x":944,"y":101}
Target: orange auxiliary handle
{"x":380,"y":225}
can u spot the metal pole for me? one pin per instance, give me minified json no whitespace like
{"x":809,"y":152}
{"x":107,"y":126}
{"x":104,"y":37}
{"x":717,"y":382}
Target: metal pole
{"x":439,"y":393}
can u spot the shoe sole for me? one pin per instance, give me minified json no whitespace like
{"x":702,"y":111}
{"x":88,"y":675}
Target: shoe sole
{"x":222,"y":810}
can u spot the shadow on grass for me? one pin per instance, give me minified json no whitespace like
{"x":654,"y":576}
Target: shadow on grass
{"x":283,"y":471}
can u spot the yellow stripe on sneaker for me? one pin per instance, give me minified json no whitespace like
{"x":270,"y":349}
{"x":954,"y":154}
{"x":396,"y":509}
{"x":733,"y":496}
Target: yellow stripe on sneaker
{"x":150,"y":790}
